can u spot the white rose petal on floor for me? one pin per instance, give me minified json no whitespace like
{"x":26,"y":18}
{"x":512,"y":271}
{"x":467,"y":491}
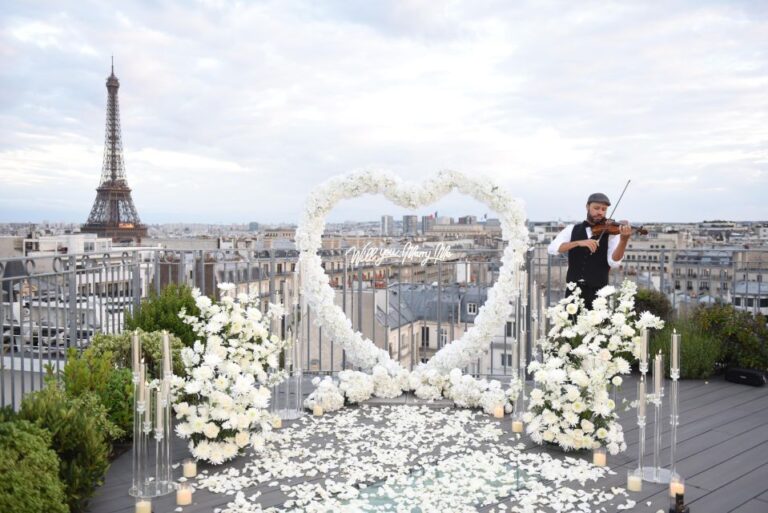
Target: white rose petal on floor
{"x":400,"y":457}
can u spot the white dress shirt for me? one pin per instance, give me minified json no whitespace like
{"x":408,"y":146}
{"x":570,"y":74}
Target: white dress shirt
{"x":565,"y":236}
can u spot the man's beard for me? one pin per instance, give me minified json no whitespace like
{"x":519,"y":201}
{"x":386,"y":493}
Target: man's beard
{"x":592,"y":220}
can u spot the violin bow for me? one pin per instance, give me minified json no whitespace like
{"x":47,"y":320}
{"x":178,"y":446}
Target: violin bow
{"x":614,"y":209}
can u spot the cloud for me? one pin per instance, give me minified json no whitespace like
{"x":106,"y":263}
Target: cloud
{"x":239,"y":108}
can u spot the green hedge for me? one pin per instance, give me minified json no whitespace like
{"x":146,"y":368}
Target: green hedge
{"x":700,"y":351}
{"x":161,"y":312}
{"x":79,"y":431}
{"x":743,"y":337}
{"x":152,"y":350}
{"x":29,"y":470}
{"x":95,"y":372}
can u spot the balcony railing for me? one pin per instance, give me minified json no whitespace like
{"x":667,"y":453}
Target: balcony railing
{"x":52,"y":303}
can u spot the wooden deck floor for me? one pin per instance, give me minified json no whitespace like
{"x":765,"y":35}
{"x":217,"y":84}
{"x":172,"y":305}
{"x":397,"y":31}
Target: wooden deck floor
{"x":722,"y":453}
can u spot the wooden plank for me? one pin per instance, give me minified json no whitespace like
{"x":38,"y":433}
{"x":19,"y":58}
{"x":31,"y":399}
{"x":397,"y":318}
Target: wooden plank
{"x":739,"y":490}
{"x":753,"y":506}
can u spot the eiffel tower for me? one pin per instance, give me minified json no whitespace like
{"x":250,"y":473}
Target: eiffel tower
{"x":113,"y":213}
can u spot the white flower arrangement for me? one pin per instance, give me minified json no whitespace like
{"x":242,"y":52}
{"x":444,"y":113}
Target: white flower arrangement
{"x":581,"y":355}
{"x":223,"y":401}
{"x":327,"y":395}
{"x":362,"y":352}
{"x":467,"y":392}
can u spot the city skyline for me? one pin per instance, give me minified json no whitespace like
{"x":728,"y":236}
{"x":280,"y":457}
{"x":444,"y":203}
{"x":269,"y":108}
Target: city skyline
{"x":228,"y":117}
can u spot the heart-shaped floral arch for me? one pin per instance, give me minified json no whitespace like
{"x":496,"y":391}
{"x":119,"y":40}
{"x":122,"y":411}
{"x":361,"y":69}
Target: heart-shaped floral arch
{"x":319,"y":295}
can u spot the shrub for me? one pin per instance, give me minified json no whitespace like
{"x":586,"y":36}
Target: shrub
{"x":655,"y":302}
{"x":742,"y":335}
{"x":78,"y":428}
{"x":29,"y":470}
{"x":94,"y":371}
{"x":161,"y":312}
{"x":699,"y":350}
{"x":151,"y":345}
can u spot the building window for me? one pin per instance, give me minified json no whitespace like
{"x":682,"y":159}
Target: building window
{"x":737,"y":301}
{"x":472,"y":308}
{"x":750,"y":302}
{"x":509,"y":329}
{"x":704,"y":285}
{"x":443,"y":336}
{"x":759,"y":277}
{"x":677,"y":284}
{"x":425,"y":336}
{"x":689,"y":285}
{"x":506,"y":360}
{"x":764,"y":303}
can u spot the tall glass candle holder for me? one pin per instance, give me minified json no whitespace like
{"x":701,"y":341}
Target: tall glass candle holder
{"x":674,"y":414}
{"x":287,"y":396}
{"x":152,"y":429}
{"x":656,"y":473}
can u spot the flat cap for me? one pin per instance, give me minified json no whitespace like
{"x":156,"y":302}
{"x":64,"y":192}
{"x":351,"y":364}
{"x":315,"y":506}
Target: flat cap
{"x":598,"y":197}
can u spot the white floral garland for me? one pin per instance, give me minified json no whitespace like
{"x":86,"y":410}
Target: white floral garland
{"x":491,"y":317}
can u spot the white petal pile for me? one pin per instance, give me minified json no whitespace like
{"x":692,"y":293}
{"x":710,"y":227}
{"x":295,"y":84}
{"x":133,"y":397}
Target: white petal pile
{"x":408,"y":458}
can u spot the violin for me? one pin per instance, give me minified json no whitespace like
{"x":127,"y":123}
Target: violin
{"x":611,"y":227}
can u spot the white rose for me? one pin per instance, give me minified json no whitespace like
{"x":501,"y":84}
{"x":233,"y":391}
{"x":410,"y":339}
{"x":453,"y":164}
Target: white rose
{"x":211,"y":430}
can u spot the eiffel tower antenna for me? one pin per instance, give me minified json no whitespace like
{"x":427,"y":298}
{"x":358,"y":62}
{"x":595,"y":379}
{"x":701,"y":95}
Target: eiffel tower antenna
{"x":113,"y":213}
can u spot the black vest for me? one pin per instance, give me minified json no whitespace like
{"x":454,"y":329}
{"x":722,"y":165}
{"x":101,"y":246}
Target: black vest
{"x":582,"y":265}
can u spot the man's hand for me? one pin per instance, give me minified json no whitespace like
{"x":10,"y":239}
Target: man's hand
{"x":626,"y":229}
{"x":589,"y":243}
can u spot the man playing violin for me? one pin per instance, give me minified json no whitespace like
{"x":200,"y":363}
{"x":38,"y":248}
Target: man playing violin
{"x":591,"y":258}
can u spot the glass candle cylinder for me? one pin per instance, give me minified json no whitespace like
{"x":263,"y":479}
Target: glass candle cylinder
{"x":634,"y":480}
{"x":676,"y":485}
{"x":189,"y":468}
{"x":599,"y":457}
{"x":143,"y":505}
{"x":517,"y":425}
{"x":184,"y":494}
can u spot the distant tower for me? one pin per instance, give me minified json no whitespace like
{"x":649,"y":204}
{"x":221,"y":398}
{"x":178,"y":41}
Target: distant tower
{"x":113,"y":213}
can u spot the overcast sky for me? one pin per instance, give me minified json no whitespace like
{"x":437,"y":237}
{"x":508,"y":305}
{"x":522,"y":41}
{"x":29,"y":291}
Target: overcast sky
{"x":231,"y":112}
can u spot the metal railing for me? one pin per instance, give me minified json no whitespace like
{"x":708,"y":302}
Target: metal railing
{"x":53,"y":303}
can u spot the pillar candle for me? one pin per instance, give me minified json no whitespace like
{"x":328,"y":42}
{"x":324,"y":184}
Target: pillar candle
{"x":517,"y":426}
{"x":599,"y":458}
{"x":317,"y":411}
{"x":277,"y":422}
{"x":657,"y":374}
{"x":142,"y":382}
{"x":166,"y":354}
{"x":189,"y":468}
{"x":136,"y":352}
{"x":184,"y":494}
{"x":159,"y":410}
{"x":144,"y":506}
{"x":634,"y":481}
{"x":675,"y":352}
{"x":644,"y":347}
{"x":498,"y":412}
{"x":676,"y":486}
